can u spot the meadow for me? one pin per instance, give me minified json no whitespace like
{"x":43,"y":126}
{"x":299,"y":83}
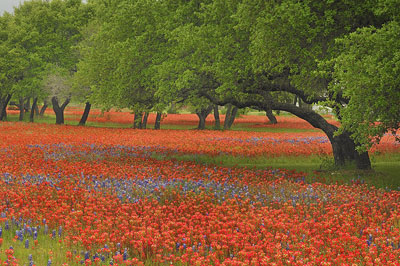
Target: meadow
{"x":259,"y":194}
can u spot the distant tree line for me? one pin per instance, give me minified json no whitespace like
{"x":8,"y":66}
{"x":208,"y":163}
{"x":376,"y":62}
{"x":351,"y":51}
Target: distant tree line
{"x":268,"y":55}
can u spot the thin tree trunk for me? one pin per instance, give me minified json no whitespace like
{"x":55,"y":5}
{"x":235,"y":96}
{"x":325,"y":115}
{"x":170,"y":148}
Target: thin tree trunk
{"x":271,"y":117}
{"x":137,"y":120}
{"x":85,"y":114}
{"x":216,"y":117}
{"x":144,"y":121}
{"x":34,"y":106}
{"x":227,"y":116}
{"x":43,"y":109}
{"x":36,"y":109}
{"x":3,"y":106}
{"x":21,"y":106}
{"x":233,"y":116}
{"x":27,"y":107}
{"x":157,"y":124}
{"x":59,"y":110}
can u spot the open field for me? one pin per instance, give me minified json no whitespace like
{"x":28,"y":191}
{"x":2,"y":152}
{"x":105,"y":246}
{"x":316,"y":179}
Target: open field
{"x":118,"y":196}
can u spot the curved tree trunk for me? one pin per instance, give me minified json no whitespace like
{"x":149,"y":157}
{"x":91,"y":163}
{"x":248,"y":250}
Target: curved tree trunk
{"x":85,"y":114}
{"x":343,"y":146}
{"x":271,"y":117}
{"x":43,"y":109}
{"x":59,"y":110}
{"x":233,"y":116}
{"x":34,"y":106}
{"x":216,"y":118}
{"x":202,"y":114}
{"x":157,"y":124}
{"x":3,"y":106}
{"x":227,"y":116}
{"x":230,"y":116}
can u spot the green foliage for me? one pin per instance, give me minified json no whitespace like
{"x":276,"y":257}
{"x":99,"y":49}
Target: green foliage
{"x":367,"y":72}
{"x":121,"y":47}
{"x":39,"y":36}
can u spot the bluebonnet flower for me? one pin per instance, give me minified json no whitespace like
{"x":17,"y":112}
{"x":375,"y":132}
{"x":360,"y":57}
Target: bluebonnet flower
{"x":125,"y":255}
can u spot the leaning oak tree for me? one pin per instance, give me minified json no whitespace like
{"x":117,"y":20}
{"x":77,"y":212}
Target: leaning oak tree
{"x":281,"y":45}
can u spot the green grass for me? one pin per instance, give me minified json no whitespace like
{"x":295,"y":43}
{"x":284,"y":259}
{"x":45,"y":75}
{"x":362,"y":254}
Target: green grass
{"x":45,"y":249}
{"x":385,"y":172}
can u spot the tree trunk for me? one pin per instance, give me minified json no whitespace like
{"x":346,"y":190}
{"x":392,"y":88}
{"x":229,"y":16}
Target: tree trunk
{"x":227,"y":116}
{"x":157,"y":124}
{"x":27,"y":106}
{"x":202,"y":114}
{"x":216,"y":117}
{"x":202,"y":121}
{"x":59,"y":110}
{"x":271,"y":117}
{"x":137,"y":120}
{"x":3,"y":106}
{"x":144,"y":121}
{"x":233,"y":116}
{"x":21,"y":106}
{"x":343,"y":147}
{"x":85,"y":114}
{"x":344,"y":152}
{"x":43,"y":109}
{"x":34,"y":106}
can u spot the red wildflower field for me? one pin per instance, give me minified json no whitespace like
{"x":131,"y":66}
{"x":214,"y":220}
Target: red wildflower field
{"x":123,"y":117}
{"x":101,"y":193}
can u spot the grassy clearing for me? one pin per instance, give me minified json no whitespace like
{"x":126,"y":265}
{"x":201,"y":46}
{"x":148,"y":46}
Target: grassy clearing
{"x":385,"y":173}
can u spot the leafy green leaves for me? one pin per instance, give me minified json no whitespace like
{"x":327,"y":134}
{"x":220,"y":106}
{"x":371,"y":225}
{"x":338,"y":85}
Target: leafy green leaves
{"x":367,"y":72}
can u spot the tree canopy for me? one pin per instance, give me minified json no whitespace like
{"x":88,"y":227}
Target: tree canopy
{"x":144,"y":55}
